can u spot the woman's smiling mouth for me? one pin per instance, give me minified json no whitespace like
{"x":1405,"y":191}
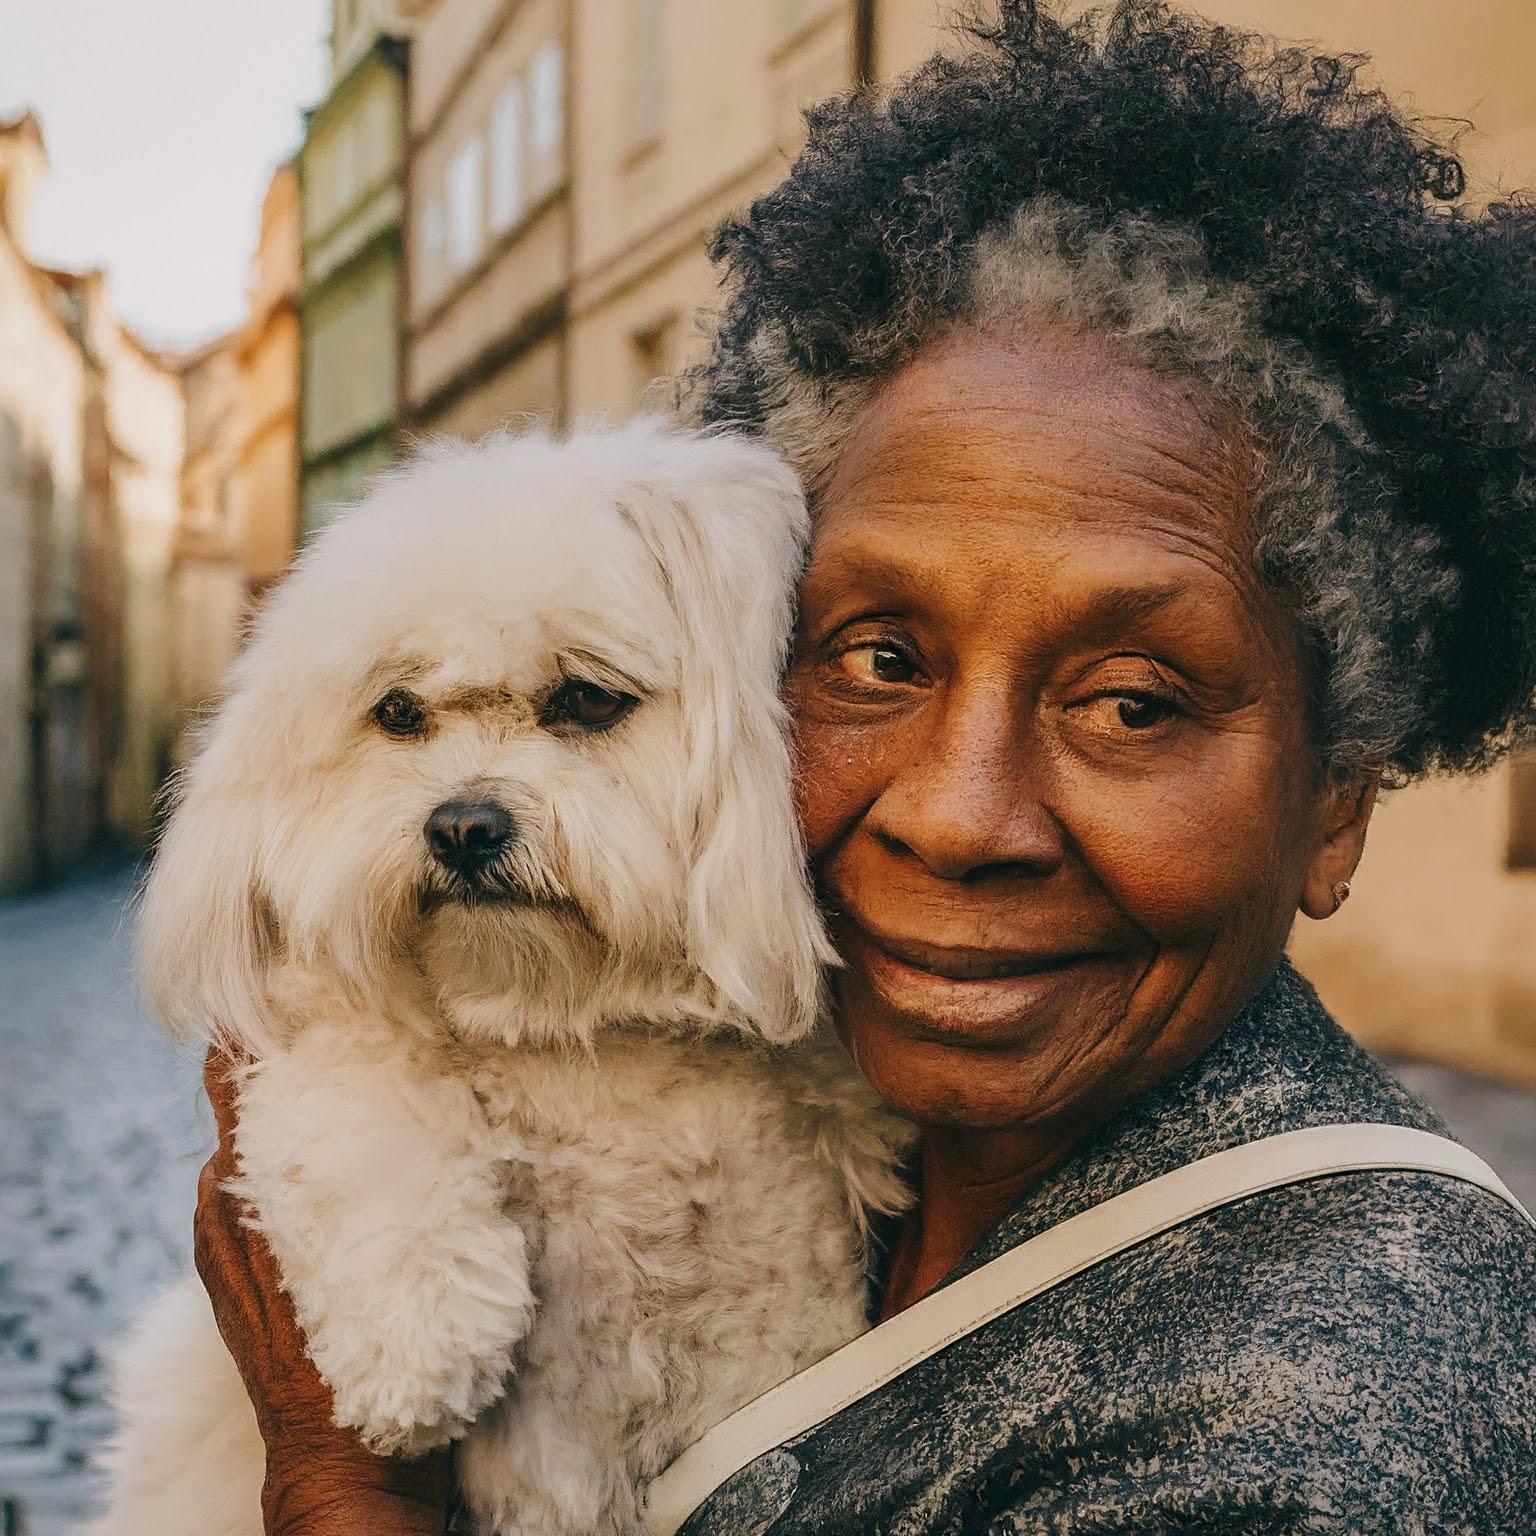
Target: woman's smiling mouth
{"x":967,"y":963}
{"x":964,"y":994}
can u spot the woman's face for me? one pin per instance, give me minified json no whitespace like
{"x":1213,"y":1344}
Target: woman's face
{"x":1056,"y":775}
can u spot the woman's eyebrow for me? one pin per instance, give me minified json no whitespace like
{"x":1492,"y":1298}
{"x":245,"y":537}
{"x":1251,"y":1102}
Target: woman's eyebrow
{"x":1133,"y":600}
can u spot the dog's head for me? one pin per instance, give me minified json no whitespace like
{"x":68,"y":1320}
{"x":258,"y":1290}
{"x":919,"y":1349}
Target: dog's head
{"x":511,"y":727}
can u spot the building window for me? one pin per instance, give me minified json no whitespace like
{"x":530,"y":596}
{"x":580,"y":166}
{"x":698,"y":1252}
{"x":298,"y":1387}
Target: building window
{"x":646,"y":56}
{"x":466,"y":177}
{"x":507,"y":158}
{"x":1521,"y":853}
{"x":546,"y":90}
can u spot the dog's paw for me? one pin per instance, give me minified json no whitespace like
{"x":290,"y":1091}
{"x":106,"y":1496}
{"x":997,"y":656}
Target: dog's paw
{"x":410,"y":1441}
{"x":396,"y":1416}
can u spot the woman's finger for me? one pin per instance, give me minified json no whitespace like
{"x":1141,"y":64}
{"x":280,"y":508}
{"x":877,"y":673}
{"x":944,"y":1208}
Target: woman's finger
{"x":219,"y":1071}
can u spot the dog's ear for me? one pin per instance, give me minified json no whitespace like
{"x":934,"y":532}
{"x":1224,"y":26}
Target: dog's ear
{"x":205,"y":935}
{"x":728,"y":525}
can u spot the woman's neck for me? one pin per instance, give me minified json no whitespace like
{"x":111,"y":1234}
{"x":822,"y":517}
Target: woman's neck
{"x":969,"y":1180}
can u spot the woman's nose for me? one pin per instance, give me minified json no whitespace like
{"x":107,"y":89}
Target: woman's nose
{"x":967,"y":804}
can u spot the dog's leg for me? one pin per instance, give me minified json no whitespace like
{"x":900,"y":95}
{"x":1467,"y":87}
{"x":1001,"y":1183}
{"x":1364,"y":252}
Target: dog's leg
{"x":387,"y":1215}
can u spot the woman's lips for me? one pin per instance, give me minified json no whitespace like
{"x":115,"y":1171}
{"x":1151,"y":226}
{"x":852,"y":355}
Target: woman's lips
{"x":944,"y":992}
{"x":964,"y":963}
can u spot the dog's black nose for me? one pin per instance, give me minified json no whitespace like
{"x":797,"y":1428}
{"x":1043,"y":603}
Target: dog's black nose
{"x":467,"y":835}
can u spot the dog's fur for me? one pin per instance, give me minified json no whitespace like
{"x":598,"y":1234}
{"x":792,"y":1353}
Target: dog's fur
{"x":553,"y":1158}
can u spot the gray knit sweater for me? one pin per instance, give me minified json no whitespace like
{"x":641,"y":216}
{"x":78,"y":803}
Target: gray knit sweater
{"x":1352,"y":1355}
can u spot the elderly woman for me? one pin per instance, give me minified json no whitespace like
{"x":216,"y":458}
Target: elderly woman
{"x":1170,"y":428}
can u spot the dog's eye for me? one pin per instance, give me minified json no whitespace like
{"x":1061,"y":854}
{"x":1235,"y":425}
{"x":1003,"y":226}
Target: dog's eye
{"x":587,"y":706}
{"x":400,"y":713}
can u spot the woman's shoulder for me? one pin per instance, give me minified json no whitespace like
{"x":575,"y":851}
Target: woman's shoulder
{"x":1365,"y":1341}
{"x":1413,"y":1284}
{"x":1354,"y":1354}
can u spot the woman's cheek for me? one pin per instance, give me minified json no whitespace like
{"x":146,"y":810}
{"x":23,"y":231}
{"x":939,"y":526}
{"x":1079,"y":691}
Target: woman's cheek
{"x":1185,"y":852}
{"x":831,"y":779}
{"x":838,"y":766}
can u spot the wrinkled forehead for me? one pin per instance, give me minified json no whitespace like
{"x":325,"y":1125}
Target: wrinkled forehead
{"x":463,"y":584}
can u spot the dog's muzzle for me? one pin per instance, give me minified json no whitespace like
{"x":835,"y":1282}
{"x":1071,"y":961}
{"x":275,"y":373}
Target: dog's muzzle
{"x":469,"y":838}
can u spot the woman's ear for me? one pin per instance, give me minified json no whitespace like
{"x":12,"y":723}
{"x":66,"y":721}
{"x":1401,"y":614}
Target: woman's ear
{"x":1344,"y":814}
{"x":728,"y":528}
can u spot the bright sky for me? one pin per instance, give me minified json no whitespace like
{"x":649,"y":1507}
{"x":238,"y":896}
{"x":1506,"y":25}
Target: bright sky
{"x":164,"y":121}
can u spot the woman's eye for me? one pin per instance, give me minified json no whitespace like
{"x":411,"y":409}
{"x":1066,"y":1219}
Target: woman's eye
{"x":401,"y":714}
{"x":1140,"y":712}
{"x":880,"y":663}
{"x":1118,"y":715}
{"x":587,"y":706}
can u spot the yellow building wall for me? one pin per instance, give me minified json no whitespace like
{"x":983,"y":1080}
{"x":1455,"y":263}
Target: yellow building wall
{"x":660,"y":162}
{"x":42,"y":410}
{"x":520,"y":393}
{"x":144,"y":412}
{"x":488,"y":254}
{"x":1472,"y":59}
{"x":265,"y":491}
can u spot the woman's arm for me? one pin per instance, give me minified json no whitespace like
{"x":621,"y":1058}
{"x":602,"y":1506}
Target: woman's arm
{"x":321,"y":1480}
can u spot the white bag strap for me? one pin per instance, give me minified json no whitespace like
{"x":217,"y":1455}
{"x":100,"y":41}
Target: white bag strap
{"x":864,"y":1366}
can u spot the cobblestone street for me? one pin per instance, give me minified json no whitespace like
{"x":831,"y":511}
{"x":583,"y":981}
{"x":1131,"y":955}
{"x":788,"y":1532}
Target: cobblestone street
{"x":101,"y":1137}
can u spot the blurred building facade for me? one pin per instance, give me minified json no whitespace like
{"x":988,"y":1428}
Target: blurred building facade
{"x":238,"y":520}
{"x":145,"y":428}
{"x":145,"y":500}
{"x":90,"y":454}
{"x":490,"y":238}
{"x":567,"y":162}
{"x":206,"y":584}
{"x":264,"y":492}
{"x":51,"y":485}
{"x":351,"y":186}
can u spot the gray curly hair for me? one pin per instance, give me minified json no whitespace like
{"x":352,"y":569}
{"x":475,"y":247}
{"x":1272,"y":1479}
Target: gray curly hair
{"x":1250,"y":217}
{"x":1327,"y":533}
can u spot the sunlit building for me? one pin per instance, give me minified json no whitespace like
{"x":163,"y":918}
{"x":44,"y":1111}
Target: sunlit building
{"x":264,"y":491}
{"x":239,"y":483}
{"x":51,"y":755}
{"x":490,"y":240}
{"x":90,"y":456}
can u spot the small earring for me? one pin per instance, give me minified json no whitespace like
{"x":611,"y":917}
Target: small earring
{"x":1340,"y":894}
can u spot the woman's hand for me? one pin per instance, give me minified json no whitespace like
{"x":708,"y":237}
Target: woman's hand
{"x":321,"y":1480}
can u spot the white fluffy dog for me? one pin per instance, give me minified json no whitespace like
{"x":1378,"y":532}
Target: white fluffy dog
{"x":489,"y":862}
